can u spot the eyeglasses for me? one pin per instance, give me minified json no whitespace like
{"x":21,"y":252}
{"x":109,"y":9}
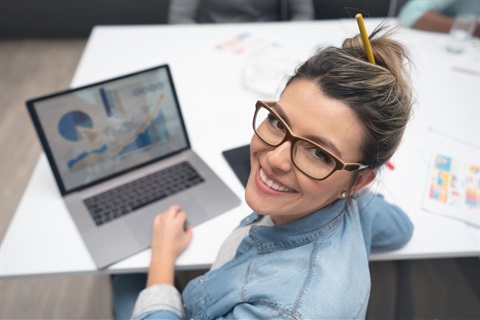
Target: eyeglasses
{"x":310,"y":158}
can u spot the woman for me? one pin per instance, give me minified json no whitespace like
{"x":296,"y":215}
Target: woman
{"x":303,"y":253}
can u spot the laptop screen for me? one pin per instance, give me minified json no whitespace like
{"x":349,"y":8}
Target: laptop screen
{"x":102,"y":130}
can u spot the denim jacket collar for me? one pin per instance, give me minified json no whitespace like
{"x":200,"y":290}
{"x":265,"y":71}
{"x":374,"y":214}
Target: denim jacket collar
{"x":296,"y":233}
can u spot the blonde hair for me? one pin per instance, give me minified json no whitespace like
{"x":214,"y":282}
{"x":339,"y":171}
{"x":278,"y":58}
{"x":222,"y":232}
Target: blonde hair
{"x":379,"y":94}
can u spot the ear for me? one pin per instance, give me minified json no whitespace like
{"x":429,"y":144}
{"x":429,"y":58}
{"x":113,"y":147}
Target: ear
{"x":363,"y":179}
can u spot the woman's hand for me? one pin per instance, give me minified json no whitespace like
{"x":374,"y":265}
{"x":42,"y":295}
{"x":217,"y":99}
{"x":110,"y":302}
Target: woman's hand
{"x":169,"y":239}
{"x":169,"y":236}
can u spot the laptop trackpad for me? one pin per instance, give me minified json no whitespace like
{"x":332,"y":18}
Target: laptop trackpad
{"x":141,"y":225}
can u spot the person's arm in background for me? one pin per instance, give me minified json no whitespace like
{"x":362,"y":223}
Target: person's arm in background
{"x":182,"y":11}
{"x":433,"y":21}
{"x":436,"y":22}
{"x":301,"y":9}
{"x":384,"y":225}
{"x":425,"y":15}
{"x":414,"y":10}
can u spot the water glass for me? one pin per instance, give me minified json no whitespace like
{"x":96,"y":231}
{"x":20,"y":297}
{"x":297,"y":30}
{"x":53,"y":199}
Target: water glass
{"x":461,"y":32}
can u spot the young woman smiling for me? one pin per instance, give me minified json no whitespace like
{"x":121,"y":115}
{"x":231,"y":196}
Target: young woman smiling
{"x":303,"y":253}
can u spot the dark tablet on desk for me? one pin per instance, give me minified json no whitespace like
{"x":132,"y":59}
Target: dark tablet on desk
{"x":239,"y":160}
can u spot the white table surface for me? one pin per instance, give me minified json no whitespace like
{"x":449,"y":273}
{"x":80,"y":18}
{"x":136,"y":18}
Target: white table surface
{"x":217,"y":85}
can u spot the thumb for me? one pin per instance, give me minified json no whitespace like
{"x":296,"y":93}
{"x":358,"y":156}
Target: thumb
{"x":188,"y":235}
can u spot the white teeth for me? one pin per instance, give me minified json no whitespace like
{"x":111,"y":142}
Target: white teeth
{"x":272,"y":184}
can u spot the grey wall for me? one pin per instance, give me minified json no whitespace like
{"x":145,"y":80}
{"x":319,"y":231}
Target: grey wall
{"x":75,"y":18}
{"x":333,"y":9}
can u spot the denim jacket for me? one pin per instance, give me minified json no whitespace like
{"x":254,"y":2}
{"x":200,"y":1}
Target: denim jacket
{"x":313,"y":268}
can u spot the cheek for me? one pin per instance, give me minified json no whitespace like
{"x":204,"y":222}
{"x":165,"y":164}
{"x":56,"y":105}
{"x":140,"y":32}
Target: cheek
{"x":327,"y":190}
{"x":340,"y":181}
{"x":256,"y":144}
{"x":255,"y":147}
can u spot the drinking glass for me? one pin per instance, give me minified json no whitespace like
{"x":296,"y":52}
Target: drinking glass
{"x":461,"y":32}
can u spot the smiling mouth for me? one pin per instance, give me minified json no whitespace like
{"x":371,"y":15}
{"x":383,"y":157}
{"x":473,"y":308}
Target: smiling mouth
{"x":273,"y":185}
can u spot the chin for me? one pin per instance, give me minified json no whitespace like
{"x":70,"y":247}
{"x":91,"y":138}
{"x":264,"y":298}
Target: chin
{"x":255,"y":201}
{"x":250,"y":195}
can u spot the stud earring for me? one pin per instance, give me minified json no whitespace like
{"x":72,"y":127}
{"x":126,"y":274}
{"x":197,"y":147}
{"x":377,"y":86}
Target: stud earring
{"x":344,"y":194}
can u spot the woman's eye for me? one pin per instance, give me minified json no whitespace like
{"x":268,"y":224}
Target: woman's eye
{"x":321,"y":155}
{"x":275,"y":122}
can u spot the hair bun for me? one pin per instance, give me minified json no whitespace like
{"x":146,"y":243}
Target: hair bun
{"x":380,"y":94}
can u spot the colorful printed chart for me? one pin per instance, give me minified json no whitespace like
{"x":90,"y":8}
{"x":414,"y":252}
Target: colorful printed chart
{"x":454,"y":189}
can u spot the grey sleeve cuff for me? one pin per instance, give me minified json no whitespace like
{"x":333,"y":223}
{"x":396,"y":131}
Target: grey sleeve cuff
{"x":159,"y":297}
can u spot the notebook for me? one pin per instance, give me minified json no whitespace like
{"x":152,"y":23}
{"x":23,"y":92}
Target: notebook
{"x":120,"y":154}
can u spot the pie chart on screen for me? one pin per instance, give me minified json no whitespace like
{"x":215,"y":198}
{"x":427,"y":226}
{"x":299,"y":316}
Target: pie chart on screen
{"x":72,"y":125}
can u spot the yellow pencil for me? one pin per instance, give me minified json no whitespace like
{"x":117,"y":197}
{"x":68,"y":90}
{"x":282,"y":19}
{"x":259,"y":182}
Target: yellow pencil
{"x":366,"y":42}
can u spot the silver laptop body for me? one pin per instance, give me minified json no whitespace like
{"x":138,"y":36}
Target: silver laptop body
{"x":105,"y":139}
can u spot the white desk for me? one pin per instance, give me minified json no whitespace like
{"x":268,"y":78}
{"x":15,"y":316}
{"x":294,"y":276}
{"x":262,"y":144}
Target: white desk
{"x":215,"y":91}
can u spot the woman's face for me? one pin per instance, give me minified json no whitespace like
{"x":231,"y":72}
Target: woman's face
{"x":309,"y":114}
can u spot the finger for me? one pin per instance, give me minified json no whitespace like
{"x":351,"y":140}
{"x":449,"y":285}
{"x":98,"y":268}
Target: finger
{"x":182,"y":215}
{"x":158,"y":218}
{"x":187,"y":237}
{"x":175,"y":208}
{"x":189,"y":233}
{"x":170,"y":213}
{"x":182,"y":240}
{"x":186,"y":224}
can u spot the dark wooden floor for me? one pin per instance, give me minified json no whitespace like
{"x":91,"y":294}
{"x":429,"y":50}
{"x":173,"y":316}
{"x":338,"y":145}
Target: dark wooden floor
{"x":425,"y":289}
{"x":30,"y":68}
{"x":421,"y":289}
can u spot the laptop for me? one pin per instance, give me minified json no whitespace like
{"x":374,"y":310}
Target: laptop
{"x":120,"y":154}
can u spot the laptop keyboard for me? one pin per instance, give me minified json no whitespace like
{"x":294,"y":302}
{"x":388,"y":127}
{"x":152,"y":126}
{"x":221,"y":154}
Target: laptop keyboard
{"x":122,"y":200}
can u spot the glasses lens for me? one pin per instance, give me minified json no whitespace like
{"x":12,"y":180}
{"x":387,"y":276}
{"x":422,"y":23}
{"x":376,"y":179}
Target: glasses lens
{"x":313,"y":160}
{"x":268,"y":127}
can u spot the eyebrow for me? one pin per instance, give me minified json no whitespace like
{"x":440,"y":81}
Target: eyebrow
{"x":318,"y":140}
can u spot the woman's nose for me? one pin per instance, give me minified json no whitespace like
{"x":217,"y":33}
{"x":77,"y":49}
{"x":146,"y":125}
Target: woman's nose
{"x":279,"y":158}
